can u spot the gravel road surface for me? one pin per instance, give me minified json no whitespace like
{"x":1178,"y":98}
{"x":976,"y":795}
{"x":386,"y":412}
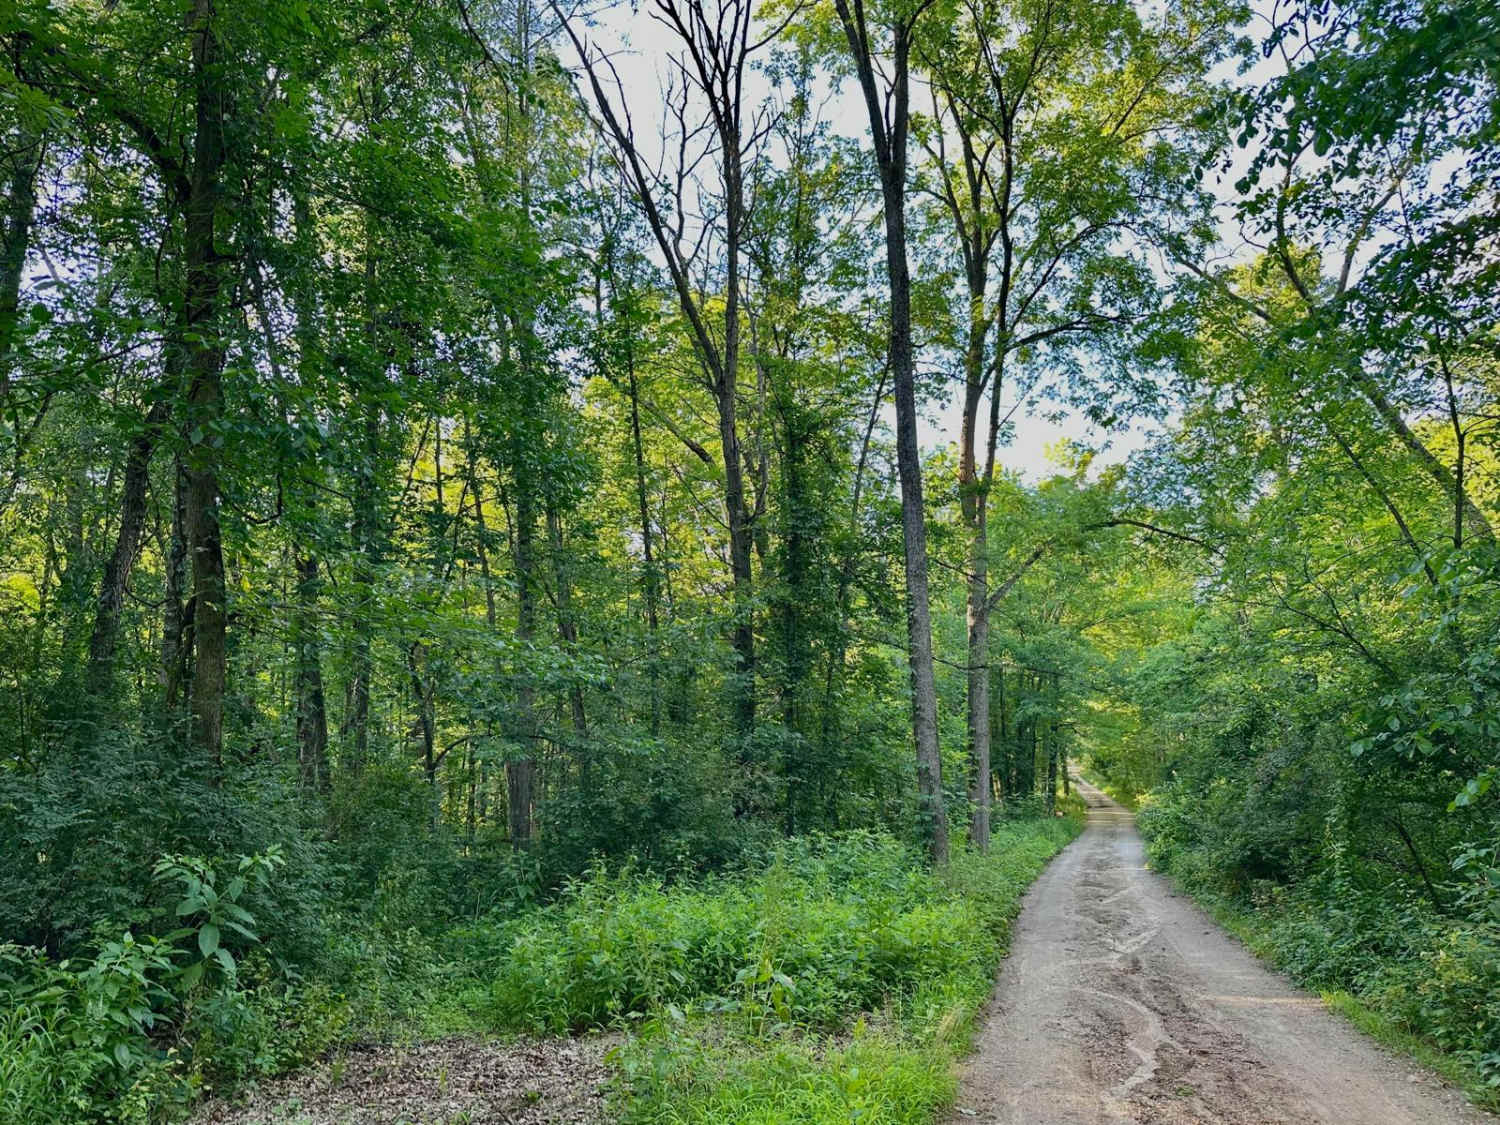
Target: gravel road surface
{"x":1122,"y":1002}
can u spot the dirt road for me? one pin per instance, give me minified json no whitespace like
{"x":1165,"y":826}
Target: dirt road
{"x":1122,"y":1002}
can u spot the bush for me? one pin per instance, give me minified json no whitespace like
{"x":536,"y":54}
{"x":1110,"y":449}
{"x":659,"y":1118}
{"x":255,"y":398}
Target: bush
{"x":1436,"y":977}
{"x":831,"y":928}
{"x":143,"y":1022}
{"x":1431,"y":973}
{"x":88,"y":825}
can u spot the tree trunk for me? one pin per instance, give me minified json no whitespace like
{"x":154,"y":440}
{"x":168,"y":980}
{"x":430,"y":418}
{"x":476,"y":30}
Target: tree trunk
{"x":100,"y":673}
{"x":1000,"y":757}
{"x":518,"y":788}
{"x":650,"y":579}
{"x":312,"y":710}
{"x":1028,"y":760}
{"x":1054,"y":742}
{"x":742,"y":638}
{"x":176,"y":630}
{"x":366,"y":532}
{"x":15,"y":240}
{"x":520,"y":770}
{"x":973,"y":503}
{"x":362,"y":656}
{"x":794,"y":603}
{"x":205,"y":364}
{"x":726,"y":391}
{"x":307,"y":642}
{"x":426,"y":725}
{"x":718,"y":51}
{"x":889,"y":136}
{"x":567,"y":626}
{"x":914,"y":527}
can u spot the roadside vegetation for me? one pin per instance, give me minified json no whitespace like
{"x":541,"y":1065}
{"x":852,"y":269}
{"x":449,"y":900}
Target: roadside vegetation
{"x":834,"y":972}
{"x":1421,"y":976}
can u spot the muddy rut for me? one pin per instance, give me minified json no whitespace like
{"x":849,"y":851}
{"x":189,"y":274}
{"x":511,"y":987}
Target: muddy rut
{"x":1122,"y":1002}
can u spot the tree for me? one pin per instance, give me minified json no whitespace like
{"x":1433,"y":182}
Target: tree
{"x":1047,"y":166}
{"x":705,"y":267}
{"x":888,"y":105}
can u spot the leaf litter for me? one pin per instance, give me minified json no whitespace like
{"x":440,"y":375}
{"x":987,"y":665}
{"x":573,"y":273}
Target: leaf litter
{"x":456,"y":1081}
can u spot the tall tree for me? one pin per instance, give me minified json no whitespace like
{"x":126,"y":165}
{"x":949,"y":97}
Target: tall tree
{"x":1058,"y":137}
{"x":706,"y":268}
{"x":885,"y":83}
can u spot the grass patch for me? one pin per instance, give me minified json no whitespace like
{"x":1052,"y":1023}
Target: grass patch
{"x":680,"y":1075}
{"x":1393,"y":1035}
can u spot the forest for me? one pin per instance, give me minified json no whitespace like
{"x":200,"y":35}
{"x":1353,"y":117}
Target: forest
{"x":512,"y":523}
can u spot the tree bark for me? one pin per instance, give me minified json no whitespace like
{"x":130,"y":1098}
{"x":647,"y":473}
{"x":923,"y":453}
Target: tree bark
{"x":205,"y":364}
{"x":650,"y":579}
{"x":1052,"y":749}
{"x":312,"y":704}
{"x":491,"y":617}
{"x":426,"y":725}
{"x":177,"y":611}
{"x":362,"y":656}
{"x":567,"y":625}
{"x":102,"y":641}
{"x":312,"y":709}
{"x":795,"y":598}
{"x":520,"y":769}
{"x":365,"y":531}
{"x":973,"y":489}
{"x":15,"y":240}
{"x":890,"y":154}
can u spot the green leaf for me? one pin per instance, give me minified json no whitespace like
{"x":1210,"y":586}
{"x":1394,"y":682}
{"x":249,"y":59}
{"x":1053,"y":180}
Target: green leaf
{"x":249,"y":935}
{"x":208,"y":939}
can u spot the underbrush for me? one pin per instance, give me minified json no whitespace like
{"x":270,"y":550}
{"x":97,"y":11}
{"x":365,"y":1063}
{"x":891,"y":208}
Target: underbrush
{"x":142,"y":1025}
{"x":857,"y":1006}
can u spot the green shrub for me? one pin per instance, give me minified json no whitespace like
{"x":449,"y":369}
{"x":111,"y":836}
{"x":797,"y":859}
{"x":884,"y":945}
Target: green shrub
{"x":831,"y":927}
{"x":84,"y":831}
{"x":1432,"y":974}
{"x":114,"y":1036}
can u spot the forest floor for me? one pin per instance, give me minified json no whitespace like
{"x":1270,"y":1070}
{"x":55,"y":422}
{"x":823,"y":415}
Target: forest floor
{"x":444,"y":1082}
{"x":1123,"y":1002}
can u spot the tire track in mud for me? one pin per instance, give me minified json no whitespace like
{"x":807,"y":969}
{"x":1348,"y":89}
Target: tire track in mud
{"x":1121,"y":1002}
